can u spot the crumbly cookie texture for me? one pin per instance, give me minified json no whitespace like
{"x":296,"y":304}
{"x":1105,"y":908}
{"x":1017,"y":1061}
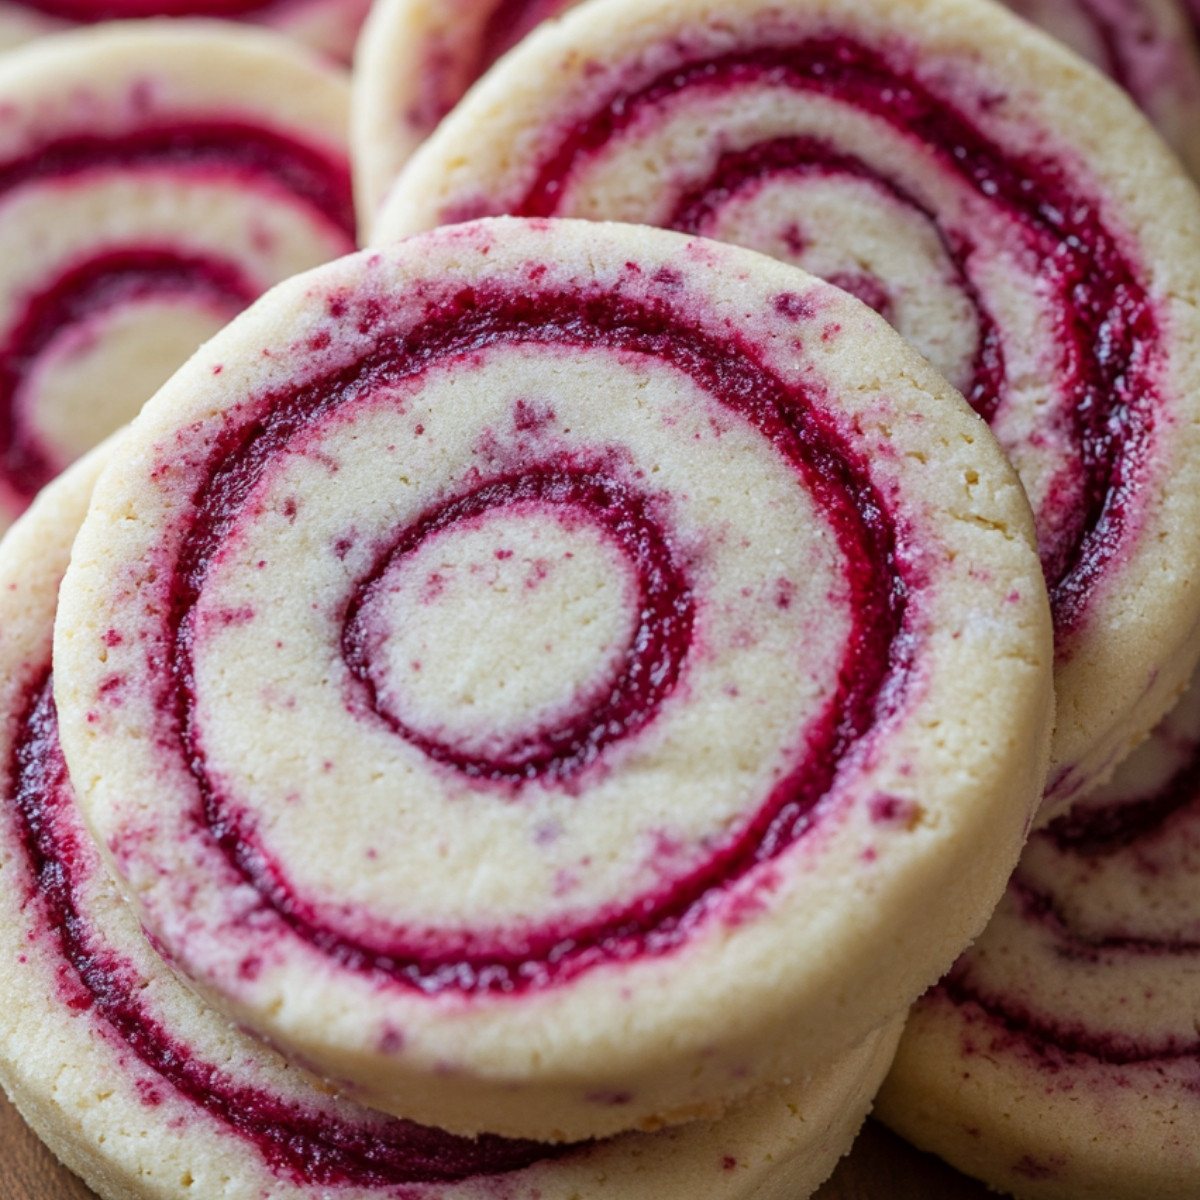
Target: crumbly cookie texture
{"x":145,"y":1092}
{"x":535,"y":673}
{"x":156,"y":178}
{"x":1005,"y":206}
{"x":1059,"y":1058}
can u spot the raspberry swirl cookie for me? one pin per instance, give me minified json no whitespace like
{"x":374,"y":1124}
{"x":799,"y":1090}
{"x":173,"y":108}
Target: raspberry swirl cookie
{"x":331,"y":26}
{"x":1004,"y":206}
{"x":1061,"y":1056}
{"x":537,"y":674}
{"x":418,"y":58}
{"x":146,"y":1093}
{"x":154,"y":180}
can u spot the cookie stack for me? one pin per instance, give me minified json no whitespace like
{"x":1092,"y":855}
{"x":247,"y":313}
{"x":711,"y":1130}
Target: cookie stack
{"x":527,"y":707}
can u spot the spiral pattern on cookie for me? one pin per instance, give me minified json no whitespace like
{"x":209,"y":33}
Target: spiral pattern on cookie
{"x":891,"y":152}
{"x":1080,"y":993}
{"x":154,"y":1094}
{"x":145,"y":199}
{"x":572,"y":623}
{"x":419,"y":57}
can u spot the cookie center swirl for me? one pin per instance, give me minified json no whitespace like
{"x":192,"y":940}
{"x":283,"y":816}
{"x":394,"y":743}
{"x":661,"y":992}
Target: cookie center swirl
{"x":520,"y":628}
{"x":741,"y":646}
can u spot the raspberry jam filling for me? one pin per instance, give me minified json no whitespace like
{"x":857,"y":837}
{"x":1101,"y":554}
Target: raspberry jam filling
{"x":1107,"y":329}
{"x":870,"y":676}
{"x":255,"y":157}
{"x":90,"y":288}
{"x":652,"y":659}
{"x":86,"y":12}
{"x":261,"y":157}
{"x":316,"y":1147}
{"x":790,"y":157}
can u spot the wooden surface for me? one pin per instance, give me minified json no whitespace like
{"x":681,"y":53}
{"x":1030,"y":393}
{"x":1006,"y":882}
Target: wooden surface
{"x":881,"y":1167}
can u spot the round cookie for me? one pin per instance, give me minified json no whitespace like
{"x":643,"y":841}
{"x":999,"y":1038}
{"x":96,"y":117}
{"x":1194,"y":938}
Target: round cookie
{"x":155,"y":178}
{"x":418,"y":58}
{"x":145,"y":1093}
{"x":1060,"y":1058}
{"x":536,"y":673}
{"x":1000,"y":202}
{"x":330,"y":26}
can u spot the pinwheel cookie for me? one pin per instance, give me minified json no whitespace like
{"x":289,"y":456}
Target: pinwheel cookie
{"x":154,"y":180}
{"x":331,"y":26}
{"x":146,"y":1093}
{"x":536,"y":675}
{"x":1061,"y":1057}
{"x":1003,"y":205}
{"x":418,"y":57}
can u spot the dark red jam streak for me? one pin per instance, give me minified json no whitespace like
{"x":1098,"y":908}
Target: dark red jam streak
{"x":652,"y":659}
{"x":1107,"y":329}
{"x":92,"y":287}
{"x":318,"y":176}
{"x":797,"y":156}
{"x":317,"y":1147}
{"x":116,"y":272}
{"x":1090,"y":832}
{"x":86,"y":12}
{"x":870,"y":681}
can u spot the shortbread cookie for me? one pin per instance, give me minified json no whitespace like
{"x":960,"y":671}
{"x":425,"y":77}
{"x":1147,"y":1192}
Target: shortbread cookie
{"x":154,"y":180}
{"x":331,"y":26}
{"x":417,"y":58}
{"x":146,"y":1093}
{"x":1003,"y":205}
{"x":1061,"y":1057}
{"x":554,"y":676}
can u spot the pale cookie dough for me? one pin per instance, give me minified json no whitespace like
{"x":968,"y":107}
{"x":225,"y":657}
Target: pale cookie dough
{"x":147,"y":1094}
{"x":554,"y":676}
{"x":1060,"y":1060}
{"x":155,"y":178}
{"x":999,"y":201}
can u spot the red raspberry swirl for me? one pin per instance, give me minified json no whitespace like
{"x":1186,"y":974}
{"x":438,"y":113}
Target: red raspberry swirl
{"x":1107,"y":330}
{"x":456,"y":328}
{"x":1145,"y":834}
{"x":305,"y":1143}
{"x":254,"y":157}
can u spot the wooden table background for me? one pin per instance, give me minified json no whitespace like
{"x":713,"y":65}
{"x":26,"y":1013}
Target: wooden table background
{"x":881,"y":1167}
